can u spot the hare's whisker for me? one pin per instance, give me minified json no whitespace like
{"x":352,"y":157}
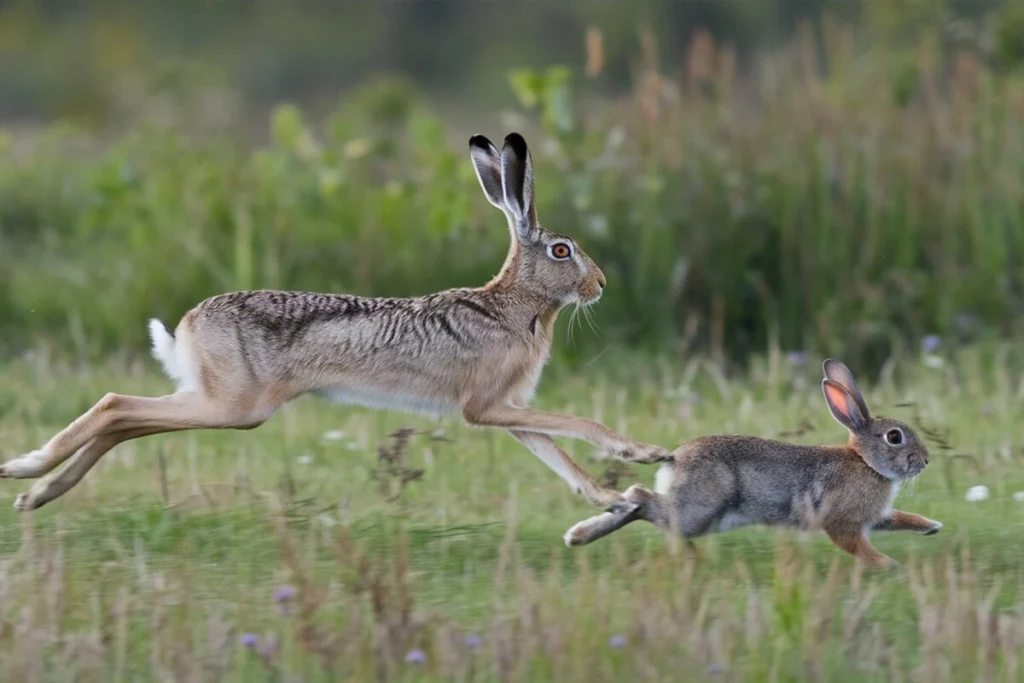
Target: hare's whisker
{"x":590,"y":321}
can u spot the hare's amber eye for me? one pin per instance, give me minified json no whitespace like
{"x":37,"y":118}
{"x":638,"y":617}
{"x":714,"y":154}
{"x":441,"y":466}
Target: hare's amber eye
{"x":560,"y":251}
{"x":894,"y":437}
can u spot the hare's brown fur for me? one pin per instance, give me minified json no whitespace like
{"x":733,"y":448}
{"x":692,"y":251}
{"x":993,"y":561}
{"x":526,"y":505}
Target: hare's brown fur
{"x":478,"y":352}
{"x":718,"y":483}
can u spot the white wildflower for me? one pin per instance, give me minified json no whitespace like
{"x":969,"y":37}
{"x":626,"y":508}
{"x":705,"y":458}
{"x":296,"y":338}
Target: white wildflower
{"x":976,"y":493}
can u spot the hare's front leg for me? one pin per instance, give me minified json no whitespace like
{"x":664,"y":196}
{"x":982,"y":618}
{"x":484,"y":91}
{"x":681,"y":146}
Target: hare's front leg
{"x":555,"y":424}
{"x":908,"y":521}
{"x":856,"y":543}
{"x":578,"y":478}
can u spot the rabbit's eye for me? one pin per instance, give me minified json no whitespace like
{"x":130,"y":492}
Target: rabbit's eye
{"x":560,"y":251}
{"x":894,"y":437}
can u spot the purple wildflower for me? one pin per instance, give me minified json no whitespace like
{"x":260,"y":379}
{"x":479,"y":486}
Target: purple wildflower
{"x":249,"y":639}
{"x":617,"y":641}
{"x":714,"y":669}
{"x":473,"y":641}
{"x":416,"y":657}
{"x":931,"y":343}
{"x":796,"y":359}
{"x":284,"y":594}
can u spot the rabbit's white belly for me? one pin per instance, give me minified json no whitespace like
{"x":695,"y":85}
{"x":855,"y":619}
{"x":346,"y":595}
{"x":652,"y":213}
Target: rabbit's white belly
{"x":389,"y":400}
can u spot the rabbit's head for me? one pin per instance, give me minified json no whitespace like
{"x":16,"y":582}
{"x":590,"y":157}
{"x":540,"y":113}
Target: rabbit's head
{"x":889,"y":447}
{"x":540,"y":261}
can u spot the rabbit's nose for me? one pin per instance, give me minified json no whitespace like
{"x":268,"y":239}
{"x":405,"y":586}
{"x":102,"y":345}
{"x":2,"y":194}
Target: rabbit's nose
{"x":601,"y":281}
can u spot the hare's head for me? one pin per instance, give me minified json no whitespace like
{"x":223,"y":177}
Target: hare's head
{"x":889,"y":447}
{"x":539,"y":261}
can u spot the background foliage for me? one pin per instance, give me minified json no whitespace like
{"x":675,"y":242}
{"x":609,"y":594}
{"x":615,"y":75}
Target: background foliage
{"x":848,"y":184}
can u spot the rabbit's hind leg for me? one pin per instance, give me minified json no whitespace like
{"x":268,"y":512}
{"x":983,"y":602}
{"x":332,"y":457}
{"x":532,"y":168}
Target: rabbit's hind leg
{"x":639,"y":503}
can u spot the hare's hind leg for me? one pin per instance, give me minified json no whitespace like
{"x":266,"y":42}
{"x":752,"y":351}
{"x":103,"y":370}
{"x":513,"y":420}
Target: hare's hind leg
{"x":908,"y":521}
{"x":117,"y":412}
{"x":115,"y":418}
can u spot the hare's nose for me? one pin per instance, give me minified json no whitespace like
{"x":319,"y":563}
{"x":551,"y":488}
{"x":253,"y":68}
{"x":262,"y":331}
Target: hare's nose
{"x":600,"y":280}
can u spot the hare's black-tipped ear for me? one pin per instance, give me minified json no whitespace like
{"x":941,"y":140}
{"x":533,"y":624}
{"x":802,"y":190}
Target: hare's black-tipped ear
{"x":487,"y":164}
{"x":843,"y":406}
{"x":840,"y":374}
{"x":517,"y":181}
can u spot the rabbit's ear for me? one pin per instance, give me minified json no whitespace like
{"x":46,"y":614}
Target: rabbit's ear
{"x":487,"y":164}
{"x":840,"y":374}
{"x":517,"y":180}
{"x":844,"y":406}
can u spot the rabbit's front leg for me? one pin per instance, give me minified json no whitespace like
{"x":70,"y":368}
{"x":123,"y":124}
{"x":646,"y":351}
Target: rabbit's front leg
{"x":856,"y":543}
{"x":908,"y":521}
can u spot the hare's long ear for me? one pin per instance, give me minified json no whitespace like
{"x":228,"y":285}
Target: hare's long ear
{"x":487,"y":164}
{"x":841,"y":375}
{"x":517,"y":182}
{"x":844,"y":406}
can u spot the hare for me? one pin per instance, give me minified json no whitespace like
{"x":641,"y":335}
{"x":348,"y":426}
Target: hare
{"x":237,"y":357}
{"x":718,"y":483}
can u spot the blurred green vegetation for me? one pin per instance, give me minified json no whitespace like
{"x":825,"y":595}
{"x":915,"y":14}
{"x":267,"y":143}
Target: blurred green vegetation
{"x":848,"y":191}
{"x":64,"y":58}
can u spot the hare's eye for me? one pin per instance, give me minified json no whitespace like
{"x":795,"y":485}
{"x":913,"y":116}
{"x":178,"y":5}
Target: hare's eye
{"x":894,"y":437}
{"x":560,"y":251}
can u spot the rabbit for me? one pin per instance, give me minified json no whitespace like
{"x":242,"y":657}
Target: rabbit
{"x":236,"y":358}
{"x":718,"y":483}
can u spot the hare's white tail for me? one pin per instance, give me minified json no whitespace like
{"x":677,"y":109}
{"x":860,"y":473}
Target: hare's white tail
{"x":172,"y":355}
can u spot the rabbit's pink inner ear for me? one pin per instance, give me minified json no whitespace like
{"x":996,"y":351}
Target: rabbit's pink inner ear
{"x":842,"y":405}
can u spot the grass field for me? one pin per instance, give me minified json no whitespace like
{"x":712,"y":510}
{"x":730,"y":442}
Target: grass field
{"x":292,"y":553}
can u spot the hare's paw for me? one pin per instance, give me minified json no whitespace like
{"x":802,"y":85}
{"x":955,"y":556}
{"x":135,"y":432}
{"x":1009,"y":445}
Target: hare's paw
{"x":26,"y":467}
{"x":643,"y":454}
{"x":932,"y":528}
{"x":35,"y":498}
{"x":23,"y":503}
{"x":622,"y":507}
{"x":637,"y":492}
